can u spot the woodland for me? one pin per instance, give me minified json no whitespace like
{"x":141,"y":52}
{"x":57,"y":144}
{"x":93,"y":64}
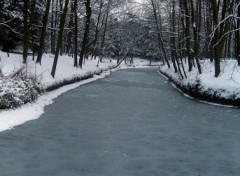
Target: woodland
{"x":168,"y":30}
{"x":137,"y":87}
{"x":185,"y":36}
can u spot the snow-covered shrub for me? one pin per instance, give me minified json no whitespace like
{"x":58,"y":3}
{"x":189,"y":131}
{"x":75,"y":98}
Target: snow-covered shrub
{"x":16,"y":91}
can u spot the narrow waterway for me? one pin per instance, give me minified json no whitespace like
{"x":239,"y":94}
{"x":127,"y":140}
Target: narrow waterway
{"x":132,"y":123}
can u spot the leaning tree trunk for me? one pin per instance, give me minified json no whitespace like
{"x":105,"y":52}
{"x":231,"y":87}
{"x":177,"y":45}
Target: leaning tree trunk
{"x":59,"y":41}
{"x":160,"y":40}
{"x":43,"y":32}
{"x":86,"y":31}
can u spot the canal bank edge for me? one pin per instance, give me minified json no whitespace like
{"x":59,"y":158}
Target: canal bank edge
{"x":195,"y":92}
{"x":77,"y":79}
{"x":11,"y":102}
{"x":91,"y":75}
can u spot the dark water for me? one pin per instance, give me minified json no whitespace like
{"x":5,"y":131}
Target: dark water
{"x":132,"y":123}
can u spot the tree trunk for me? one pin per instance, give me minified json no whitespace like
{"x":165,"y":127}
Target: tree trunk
{"x":208,"y":30}
{"x":97,"y":28}
{"x":181,"y":44}
{"x":59,"y":41}
{"x":27,"y":27}
{"x":229,"y":46}
{"x":75,"y":34}
{"x":52,"y":31}
{"x":216,"y":51}
{"x":160,"y":41}
{"x":63,"y":36}
{"x":70,"y":32}
{"x":188,"y":34}
{"x":172,"y":37}
{"x":43,"y":32}
{"x":25,"y":30}
{"x":86,"y":31}
{"x":54,"y":21}
{"x":1,"y":21}
{"x":1,"y":11}
{"x":104,"y":30}
{"x":196,"y":25}
{"x":237,"y":34}
{"x":220,"y":30}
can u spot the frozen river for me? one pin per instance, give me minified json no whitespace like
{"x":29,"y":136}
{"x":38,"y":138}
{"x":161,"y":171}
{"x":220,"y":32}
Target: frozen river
{"x":132,"y":123}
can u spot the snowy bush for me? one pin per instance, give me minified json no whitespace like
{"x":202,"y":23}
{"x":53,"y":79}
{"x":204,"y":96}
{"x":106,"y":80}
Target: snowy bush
{"x":15,"y":91}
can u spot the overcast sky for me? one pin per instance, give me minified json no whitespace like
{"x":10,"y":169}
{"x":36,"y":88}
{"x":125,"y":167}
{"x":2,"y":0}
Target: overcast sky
{"x":140,"y":1}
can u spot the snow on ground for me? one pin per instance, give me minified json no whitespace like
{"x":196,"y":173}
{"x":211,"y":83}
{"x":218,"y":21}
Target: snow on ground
{"x":227,"y":85}
{"x":65,"y":71}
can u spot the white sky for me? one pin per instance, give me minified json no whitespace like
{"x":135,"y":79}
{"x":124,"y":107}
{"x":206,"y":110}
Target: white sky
{"x":140,"y":1}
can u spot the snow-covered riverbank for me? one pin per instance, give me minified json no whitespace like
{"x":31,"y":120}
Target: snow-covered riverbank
{"x":15,"y":91}
{"x":222,"y":90}
{"x":67,"y":77}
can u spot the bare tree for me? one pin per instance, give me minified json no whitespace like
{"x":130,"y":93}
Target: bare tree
{"x":43,"y":32}
{"x":85,"y":41}
{"x":220,"y":28}
{"x":1,"y":20}
{"x":75,"y":33}
{"x":196,"y":25}
{"x":27,"y":26}
{"x":160,"y":40}
{"x":105,"y":20}
{"x":59,"y":41}
{"x":188,"y":34}
{"x":173,"y":37}
{"x":237,"y":33}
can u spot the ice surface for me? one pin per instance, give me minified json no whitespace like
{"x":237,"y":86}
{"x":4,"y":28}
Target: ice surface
{"x":109,"y":128}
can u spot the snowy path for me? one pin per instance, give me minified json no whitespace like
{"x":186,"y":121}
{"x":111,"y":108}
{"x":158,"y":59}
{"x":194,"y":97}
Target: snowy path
{"x":131,"y":123}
